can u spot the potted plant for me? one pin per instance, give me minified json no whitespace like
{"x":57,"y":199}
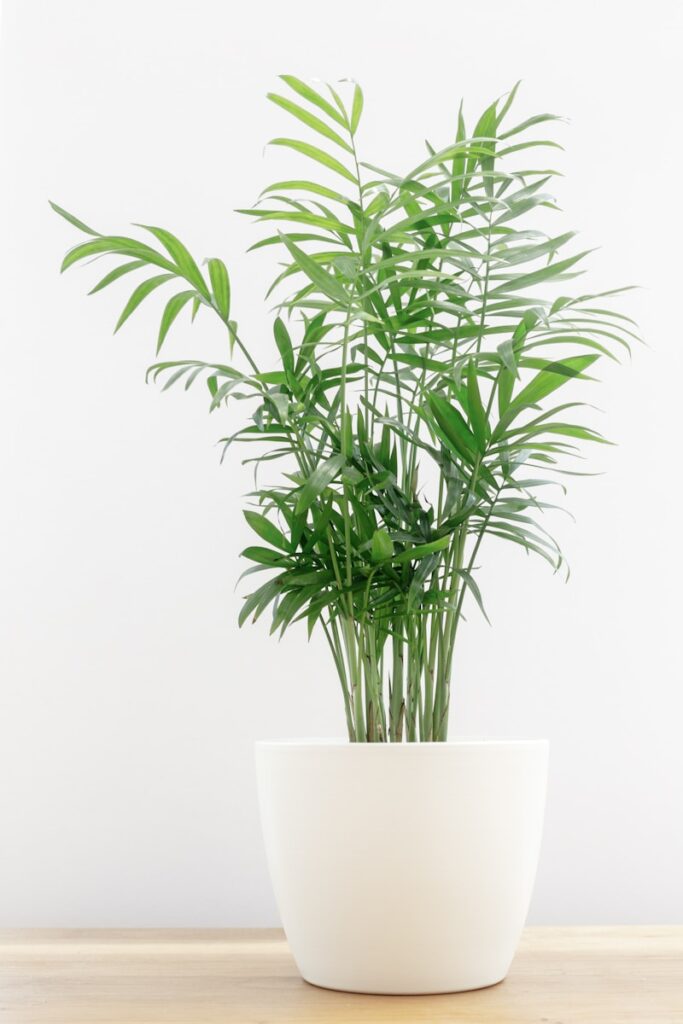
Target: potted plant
{"x":412,"y":408}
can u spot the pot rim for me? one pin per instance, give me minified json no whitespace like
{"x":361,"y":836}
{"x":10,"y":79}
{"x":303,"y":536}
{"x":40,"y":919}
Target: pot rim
{"x":338,"y":744}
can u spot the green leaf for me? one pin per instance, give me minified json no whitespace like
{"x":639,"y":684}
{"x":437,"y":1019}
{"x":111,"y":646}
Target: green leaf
{"x":453,"y":426}
{"x":264,"y":556}
{"x":506,"y":351}
{"x":315,"y":331}
{"x":382,"y":546}
{"x":458,"y":184}
{"x":220,"y":285}
{"x":300,"y":185}
{"x":486,"y":129}
{"x":320,"y":478}
{"x":328,"y":223}
{"x":290,"y":604}
{"x":316,"y":154}
{"x":470,"y":149}
{"x":477,"y":414}
{"x":182,"y":258}
{"x":73,"y":220}
{"x":173,"y":307}
{"x":313,"y":97}
{"x":319,"y":276}
{"x":508,"y":103}
{"x":347,"y":436}
{"x":474,"y":588}
{"x":552,"y":377}
{"x":486,"y":125}
{"x":529,"y":123}
{"x":422,"y":550}
{"x":506,"y":383}
{"x":309,"y":119}
{"x":515,"y":282}
{"x":259,"y":600}
{"x":284,"y":344}
{"x":141,"y":292}
{"x":266,"y":530}
{"x":423,"y":362}
{"x":571,"y":430}
{"x":117,"y":246}
{"x":357,"y":108}
{"x":116,"y":273}
{"x":564,"y":429}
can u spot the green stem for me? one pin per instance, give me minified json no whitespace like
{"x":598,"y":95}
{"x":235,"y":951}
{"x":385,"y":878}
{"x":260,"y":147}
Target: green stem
{"x":332,"y":634}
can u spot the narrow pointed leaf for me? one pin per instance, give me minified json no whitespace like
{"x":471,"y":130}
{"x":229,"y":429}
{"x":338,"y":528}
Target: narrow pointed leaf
{"x":284,"y":344}
{"x":309,"y":119}
{"x":116,"y":273}
{"x":141,"y":292}
{"x":182,"y":258}
{"x":173,"y":308}
{"x":517,"y":282}
{"x":264,"y":556}
{"x":382,"y":546}
{"x":357,"y":108}
{"x":321,"y":477}
{"x":314,"y":153}
{"x":317,"y":274}
{"x":454,"y":426}
{"x":73,"y":220}
{"x":422,"y":550}
{"x":220,"y":285}
{"x":552,"y":377}
{"x":313,"y":97}
{"x":116,"y":246}
{"x":477,"y":414}
{"x":266,"y":530}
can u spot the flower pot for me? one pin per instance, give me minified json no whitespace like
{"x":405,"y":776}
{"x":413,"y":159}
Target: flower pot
{"x":402,"y":868}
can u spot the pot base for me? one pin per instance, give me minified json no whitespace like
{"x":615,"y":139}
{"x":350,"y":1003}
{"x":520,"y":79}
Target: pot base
{"x":405,"y":992}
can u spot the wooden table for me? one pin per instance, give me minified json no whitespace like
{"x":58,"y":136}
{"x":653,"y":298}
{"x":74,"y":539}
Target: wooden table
{"x":560,"y":976}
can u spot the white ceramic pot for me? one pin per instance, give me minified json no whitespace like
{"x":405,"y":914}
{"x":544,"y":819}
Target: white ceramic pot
{"x":403,"y":868}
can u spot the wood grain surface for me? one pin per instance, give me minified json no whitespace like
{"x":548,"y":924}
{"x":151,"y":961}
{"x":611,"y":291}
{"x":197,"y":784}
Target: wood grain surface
{"x":560,"y":976}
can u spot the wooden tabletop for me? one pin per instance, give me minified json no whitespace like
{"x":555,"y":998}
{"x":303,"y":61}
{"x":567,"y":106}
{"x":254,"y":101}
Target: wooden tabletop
{"x":560,"y":976}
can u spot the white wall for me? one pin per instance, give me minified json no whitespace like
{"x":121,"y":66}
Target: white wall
{"x":129,"y":699}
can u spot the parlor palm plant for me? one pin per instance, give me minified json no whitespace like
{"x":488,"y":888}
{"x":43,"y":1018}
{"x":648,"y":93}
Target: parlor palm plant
{"x":411,"y":403}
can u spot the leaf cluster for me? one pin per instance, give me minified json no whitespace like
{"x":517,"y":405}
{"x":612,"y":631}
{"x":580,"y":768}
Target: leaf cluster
{"x":423,"y":344}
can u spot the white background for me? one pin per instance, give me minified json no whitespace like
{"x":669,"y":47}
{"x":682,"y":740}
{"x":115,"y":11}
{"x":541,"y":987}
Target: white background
{"x":129,"y":699}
